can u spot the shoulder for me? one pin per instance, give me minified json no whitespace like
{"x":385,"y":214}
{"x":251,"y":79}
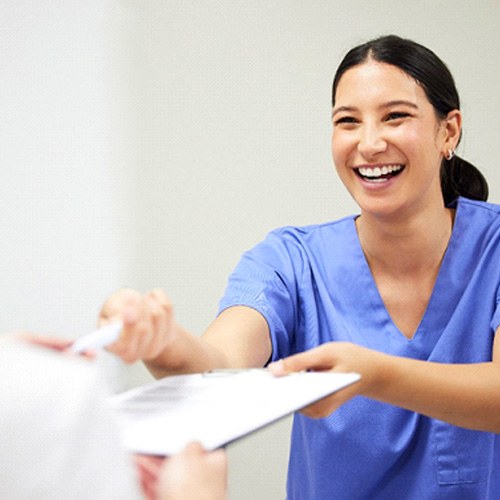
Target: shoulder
{"x":479,"y":217}
{"x":313,"y":232}
{"x":479,"y":209}
{"x":478,"y":225}
{"x":294,"y":246}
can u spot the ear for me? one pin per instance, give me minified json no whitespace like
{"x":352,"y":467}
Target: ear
{"x":452,"y":130}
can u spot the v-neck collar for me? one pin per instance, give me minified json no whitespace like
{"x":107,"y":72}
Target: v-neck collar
{"x":432,"y":322}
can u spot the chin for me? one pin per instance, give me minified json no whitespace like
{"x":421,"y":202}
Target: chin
{"x":380,"y":207}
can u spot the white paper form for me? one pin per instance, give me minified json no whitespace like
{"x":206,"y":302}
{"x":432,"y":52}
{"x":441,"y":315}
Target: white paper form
{"x":215,"y":408}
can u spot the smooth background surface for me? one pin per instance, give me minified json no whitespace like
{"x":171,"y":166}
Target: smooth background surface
{"x":150,"y":143}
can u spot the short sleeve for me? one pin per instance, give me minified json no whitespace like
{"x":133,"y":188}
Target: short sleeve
{"x":495,"y":322}
{"x":265,"y":280}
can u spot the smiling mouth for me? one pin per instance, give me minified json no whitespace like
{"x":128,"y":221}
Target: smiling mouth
{"x":379,"y":174}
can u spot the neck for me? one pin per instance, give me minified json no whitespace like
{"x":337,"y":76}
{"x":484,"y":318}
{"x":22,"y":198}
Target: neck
{"x":413,"y":246}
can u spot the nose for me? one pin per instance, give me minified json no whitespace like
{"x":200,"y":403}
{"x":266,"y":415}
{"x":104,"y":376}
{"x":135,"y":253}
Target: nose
{"x":371,"y":141}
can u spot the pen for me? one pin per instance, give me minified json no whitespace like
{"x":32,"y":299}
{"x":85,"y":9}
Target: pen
{"x":221,"y":372}
{"x":97,"y":339}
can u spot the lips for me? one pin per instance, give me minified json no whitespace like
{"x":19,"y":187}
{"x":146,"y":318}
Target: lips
{"x":379,"y":173}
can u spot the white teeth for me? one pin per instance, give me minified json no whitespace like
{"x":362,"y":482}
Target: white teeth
{"x":378,"y":171}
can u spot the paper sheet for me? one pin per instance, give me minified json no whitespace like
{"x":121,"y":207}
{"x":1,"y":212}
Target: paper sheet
{"x":215,"y":408}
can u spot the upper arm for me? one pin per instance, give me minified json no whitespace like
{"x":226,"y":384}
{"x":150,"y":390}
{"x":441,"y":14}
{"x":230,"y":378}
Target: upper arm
{"x":241,"y":334}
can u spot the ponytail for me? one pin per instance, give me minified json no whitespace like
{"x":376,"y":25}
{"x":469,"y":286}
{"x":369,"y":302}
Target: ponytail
{"x":461,"y":178}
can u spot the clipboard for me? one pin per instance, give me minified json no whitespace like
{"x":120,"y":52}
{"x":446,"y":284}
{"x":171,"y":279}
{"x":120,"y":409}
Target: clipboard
{"x":215,"y":408}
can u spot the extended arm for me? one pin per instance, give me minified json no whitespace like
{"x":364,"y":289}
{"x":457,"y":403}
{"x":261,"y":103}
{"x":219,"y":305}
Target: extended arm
{"x":466,"y":395}
{"x":237,"y":338}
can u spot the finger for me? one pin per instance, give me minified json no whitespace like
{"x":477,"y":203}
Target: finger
{"x":59,"y":345}
{"x":162,"y":319}
{"x":159,"y":325}
{"x":215,"y":460}
{"x":148,"y":468}
{"x":126,"y":345}
{"x":325,"y":406}
{"x":150,"y":465}
{"x":143,"y":329}
{"x":318,"y":359}
{"x":137,"y":329}
{"x":140,"y":330}
{"x":277,"y":368}
{"x":113,"y":307}
{"x":218,"y":458}
{"x":55,"y":343}
{"x":151,"y":330}
{"x":193,"y":448}
{"x":161,"y":296}
{"x":164,"y":303}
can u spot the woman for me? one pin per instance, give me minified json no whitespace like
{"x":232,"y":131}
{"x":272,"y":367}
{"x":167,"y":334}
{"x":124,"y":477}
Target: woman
{"x":407,"y":294}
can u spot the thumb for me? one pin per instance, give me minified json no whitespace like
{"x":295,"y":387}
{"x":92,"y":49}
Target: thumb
{"x":317,"y":359}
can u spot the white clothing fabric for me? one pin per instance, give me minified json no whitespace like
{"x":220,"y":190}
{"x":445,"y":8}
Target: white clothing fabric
{"x":58,"y":436}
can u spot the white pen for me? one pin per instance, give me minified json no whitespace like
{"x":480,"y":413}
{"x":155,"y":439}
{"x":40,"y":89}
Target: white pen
{"x":97,"y":339}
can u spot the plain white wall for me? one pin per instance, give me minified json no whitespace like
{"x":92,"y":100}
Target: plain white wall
{"x":150,"y":143}
{"x":65,"y":186}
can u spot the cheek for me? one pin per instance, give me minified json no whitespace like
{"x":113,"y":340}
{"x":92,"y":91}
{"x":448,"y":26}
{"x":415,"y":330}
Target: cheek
{"x":417,"y":141}
{"x":340,"y":148}
{"x":340,"y":154}
{"x":423,"y":150}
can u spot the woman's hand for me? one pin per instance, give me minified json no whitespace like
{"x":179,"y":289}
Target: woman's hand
{"x":336,"y":357}
{"x":148,"y":323}
{"x":429,"y":388}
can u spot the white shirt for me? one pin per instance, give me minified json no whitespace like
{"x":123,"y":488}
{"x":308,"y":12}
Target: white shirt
{"x":58,"y":437}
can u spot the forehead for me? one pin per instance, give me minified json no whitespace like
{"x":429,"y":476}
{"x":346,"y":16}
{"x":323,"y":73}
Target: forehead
{"x":373,"y":81}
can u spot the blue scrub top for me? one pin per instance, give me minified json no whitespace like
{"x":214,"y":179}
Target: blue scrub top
{"x":313,"y":285}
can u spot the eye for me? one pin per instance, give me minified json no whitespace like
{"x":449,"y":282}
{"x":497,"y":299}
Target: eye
{"x":397,"y":115}
{"x":345,"y":120}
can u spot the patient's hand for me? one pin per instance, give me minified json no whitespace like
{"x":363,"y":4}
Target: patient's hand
{"x":51,"y":342}
{"x":194,"y":474}
{"x":148,"y":469}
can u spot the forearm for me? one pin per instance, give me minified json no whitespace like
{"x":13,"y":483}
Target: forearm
{"x":187,"y":354}
{"x":237,"y":338}
{"x":467,"y":395}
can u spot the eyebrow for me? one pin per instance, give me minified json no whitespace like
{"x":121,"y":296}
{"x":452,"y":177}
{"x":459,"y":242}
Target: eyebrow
{"x":390,"y":104}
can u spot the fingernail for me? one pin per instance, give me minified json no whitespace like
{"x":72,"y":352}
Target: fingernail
{"x":277,"y":367}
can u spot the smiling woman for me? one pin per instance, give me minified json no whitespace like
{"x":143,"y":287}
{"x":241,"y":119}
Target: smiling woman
{"x":425,"y":70}
{"x":406,"y":293}
{"x":383,"y":121}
